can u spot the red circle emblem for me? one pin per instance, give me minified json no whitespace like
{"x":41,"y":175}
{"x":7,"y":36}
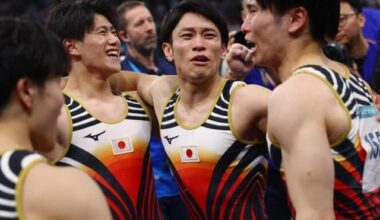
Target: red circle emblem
{"x":189,"y":153}
{"x":121,"y":144}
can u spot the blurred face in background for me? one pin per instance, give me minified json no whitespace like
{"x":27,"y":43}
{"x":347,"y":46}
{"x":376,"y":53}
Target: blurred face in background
{"x":350,"y":25}
{"x":140,"y":32}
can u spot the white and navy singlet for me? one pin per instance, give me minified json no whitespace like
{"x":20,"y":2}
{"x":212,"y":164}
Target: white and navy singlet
{"x":219,"y":176}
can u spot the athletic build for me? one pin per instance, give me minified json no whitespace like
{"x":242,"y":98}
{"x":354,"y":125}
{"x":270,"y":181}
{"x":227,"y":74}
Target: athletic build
{"x":103,"y":132}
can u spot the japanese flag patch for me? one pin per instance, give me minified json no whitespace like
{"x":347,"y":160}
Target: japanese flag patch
{"x":189,"y":154}
{"x":122,"y":146}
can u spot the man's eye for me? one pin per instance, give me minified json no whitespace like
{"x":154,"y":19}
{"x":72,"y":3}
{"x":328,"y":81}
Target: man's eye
{"x":186,"y":35}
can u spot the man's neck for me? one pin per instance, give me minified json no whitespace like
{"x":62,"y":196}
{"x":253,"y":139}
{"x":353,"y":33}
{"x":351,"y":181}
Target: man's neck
{"x":197,"y":99}
{"x":14,"y":135}
{"x":86,"y":85}
{"x":311,"y":54}
{"x":196,"y":93}
{"x":146,"y":60}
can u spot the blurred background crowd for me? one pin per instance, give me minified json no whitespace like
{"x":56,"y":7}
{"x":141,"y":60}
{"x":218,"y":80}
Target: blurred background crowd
{"x":229,"y":8}
{"x":37,"y":9}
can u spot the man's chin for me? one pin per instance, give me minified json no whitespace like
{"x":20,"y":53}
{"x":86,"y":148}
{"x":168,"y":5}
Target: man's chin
{"x":149,"y":47}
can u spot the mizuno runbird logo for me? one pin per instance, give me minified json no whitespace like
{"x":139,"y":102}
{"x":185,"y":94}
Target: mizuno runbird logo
{"x":170,"y":139}
{"x":94,"y":137}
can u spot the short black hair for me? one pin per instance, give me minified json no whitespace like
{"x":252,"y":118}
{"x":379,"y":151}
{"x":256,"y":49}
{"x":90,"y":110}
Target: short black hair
{"x":323,"y":15}
{"x":355,"y":4}
{"x":204,"y":8}
{"x":28,"y":50}
{"x":73,"y":18}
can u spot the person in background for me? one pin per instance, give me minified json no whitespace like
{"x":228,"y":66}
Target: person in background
{"x":32,"y":62}
{"x":363,"y":51}
{"x":137,"y":30}
{"x":371,"y":31}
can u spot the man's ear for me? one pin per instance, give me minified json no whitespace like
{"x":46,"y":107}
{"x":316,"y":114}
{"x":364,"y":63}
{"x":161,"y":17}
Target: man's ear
{"x":361,"y":19}
{"x":168,"y":51}
{"x":224,"y":51}
{"x":298,"y":20}
{"x":26,"y":91}
{"x":71,"y":47}
{"x":123,"y":36}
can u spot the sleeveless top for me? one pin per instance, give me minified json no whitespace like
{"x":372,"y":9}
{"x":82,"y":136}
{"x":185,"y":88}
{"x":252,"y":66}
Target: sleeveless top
{"x":357,"y":154}
{"x":219,"y":176}
{"x":117,"y":156}
{"x":15,"y":165}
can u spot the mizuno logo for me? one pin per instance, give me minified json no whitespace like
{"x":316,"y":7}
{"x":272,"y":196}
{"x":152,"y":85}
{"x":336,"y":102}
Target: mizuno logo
{"x":94,"y":137}
{"x":170,"y":139}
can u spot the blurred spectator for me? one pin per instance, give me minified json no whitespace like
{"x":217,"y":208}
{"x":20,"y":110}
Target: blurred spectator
{"x":37,"y":9}
{"x":362,"y":44}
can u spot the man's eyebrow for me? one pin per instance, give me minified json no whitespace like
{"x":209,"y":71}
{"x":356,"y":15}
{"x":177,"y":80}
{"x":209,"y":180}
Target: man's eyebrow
{"x":105,"y":27}
{"x":193,"y":28}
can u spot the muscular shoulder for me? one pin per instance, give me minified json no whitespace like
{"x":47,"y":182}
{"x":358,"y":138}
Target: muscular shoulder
{"x":148,"y":108}
{"x":164,"y":85}
{"x":162,"y":88}
{"x":302,"y":100}
{"x":62,"y":193}
{"x":251,"y":96}
{"x":249,"y":110}
{"x":302,"y":93}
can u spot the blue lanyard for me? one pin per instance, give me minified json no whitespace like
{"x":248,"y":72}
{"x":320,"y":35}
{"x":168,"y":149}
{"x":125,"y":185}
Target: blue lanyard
{"x":133,"y":67}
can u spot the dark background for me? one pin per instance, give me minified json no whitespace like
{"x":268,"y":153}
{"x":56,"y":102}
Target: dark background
{"x":36,"y":9}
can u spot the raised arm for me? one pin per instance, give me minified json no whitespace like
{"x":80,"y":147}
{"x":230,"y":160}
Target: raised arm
{"x":154,"y":90}
{"x":249,"y":111}
{"x":297,"y":120}
{"x":129,"y":81}
{"x":239,"y":61}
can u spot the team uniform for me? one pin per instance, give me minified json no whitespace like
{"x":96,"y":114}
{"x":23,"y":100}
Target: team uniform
{"x":116,"y":155}
{"x":356,"y":155}
{"x":167,"y":191}
{"x":219,"y":176}
{"x":14,"y":165}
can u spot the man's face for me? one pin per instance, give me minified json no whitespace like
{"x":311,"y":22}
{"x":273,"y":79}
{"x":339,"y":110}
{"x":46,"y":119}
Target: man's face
{"x":100,"y":47}
{"x":140,"y":32}
{"x":196,"y":47}
{"x":350,"y":25}
{"x":268,"y":32}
